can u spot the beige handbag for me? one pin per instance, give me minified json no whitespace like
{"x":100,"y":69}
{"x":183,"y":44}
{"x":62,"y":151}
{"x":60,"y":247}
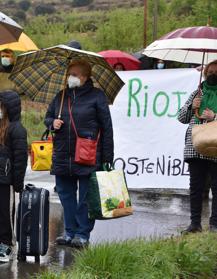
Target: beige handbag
{"x":204,"y":138}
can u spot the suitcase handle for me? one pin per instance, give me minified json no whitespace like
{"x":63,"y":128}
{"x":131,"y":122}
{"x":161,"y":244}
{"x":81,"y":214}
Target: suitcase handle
{"x":29,"y":186}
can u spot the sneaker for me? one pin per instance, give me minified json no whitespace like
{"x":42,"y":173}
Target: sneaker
{"x":5,"y":253}
{"x":192,"y":229}
{"x":213,"y":228}
{"x":78,"y":242}
{"x":63,"y":240}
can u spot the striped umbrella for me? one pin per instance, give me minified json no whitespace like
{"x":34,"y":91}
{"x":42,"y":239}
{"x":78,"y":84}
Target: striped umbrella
{"x":187,"y":45}
{"x":41,"y":74}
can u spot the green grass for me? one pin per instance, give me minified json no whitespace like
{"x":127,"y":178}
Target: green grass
{"x":33,"y":122}
{"x":187,"y":257}
{"x":119,"y":28}
{"x":96,"y":31}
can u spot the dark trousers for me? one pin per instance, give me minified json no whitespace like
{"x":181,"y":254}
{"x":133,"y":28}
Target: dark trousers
{"x":72,"y":192}
{"x":199,"y":170}
{"x":7,"y":210}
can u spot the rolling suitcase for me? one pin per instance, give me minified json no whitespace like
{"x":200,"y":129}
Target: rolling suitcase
{"x":33,"y":223}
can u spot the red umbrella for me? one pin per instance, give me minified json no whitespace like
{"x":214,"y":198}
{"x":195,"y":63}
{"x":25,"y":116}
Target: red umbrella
{"x":114,"y":57}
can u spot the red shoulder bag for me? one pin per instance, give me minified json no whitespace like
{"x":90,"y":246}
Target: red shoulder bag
{"x":85,"y":149}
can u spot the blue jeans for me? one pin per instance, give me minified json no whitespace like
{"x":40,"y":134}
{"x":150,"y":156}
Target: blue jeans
{"x":76,"y":221}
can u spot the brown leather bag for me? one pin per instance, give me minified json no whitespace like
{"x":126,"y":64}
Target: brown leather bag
{"x":204,"y":137}
{"x":85,"y":150}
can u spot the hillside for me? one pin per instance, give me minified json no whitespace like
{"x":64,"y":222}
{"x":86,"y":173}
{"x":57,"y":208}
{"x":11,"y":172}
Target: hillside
{"x":24,"y":9}
{"x":105,"y":24}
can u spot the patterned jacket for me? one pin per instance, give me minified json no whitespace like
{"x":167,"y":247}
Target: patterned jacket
{"x":186,"y":116}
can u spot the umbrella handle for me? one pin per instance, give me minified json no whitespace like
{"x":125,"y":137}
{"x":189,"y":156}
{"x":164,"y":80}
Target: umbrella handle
{"x":199,"y":87}
{"x":61,"y":104}
{"x":197,"y":114}
{"x":197,"y":110}
{"x":62,"y":99}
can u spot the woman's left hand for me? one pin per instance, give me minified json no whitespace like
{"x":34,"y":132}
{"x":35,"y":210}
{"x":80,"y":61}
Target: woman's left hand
{"x":208,"y":115}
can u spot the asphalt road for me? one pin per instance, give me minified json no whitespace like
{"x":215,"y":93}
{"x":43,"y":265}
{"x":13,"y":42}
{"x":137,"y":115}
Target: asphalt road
{"x":153,"y":217}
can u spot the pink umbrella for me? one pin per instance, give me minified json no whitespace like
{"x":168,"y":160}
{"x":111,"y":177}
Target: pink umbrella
{"x":114,"y":57}
{"x":187,"y":45}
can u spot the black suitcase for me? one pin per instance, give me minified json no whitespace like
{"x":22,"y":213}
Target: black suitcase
{"x":33,"y":223}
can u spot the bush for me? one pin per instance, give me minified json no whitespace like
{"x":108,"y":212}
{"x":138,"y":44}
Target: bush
{"x":33,"y":119}
{"x":24,"y":5}
{"x":20,"y":15}
{"x":43,"y":9}
{"x":11,"y":2}
{"x":81,"y":3}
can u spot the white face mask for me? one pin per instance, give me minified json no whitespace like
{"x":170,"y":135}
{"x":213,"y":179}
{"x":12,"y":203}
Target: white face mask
{"x":1,"y":114}
{"x":6,"y":61}
{"x":160,"y":66}
{"x":73,"y":82}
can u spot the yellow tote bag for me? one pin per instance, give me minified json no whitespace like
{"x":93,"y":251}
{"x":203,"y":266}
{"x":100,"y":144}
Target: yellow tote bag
{"x":41,"y":154}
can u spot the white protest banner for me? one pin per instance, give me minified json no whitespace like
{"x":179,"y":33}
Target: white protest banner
{"x":149,"y":140}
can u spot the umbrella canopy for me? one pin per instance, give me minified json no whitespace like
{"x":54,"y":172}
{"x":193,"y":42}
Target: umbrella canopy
{"x":41,"y":74}
{"x":187,"y":45}
{"x":116,"y":56}
{"x":24,"y":44}
{"x":9,"y":30}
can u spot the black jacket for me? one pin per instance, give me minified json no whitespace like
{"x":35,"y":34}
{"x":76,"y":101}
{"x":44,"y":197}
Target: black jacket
{"x":91,"y":113}
{"x":14,"y":155}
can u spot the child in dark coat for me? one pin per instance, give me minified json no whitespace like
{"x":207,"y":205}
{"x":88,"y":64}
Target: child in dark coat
{"x":13,"y":163}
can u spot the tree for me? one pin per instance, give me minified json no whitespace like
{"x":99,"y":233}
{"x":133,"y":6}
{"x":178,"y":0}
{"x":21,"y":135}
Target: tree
{"x":24,"y":5}
{"x":203,"y":9}
{"x":181,"y":8}
{"x":121,"y":30}
{"x":20,"y":15}
{"x":43,"y":9}
{"x":80,"y":3}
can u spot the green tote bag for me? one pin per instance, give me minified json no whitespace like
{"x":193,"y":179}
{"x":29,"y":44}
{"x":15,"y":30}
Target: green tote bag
{"x":108,"y":195}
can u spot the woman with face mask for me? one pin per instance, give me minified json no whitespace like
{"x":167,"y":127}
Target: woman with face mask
{"x":201,"y":166}
{"x":90,"y":111}
{"x":160,"y":65}
{"x":13,"y":163}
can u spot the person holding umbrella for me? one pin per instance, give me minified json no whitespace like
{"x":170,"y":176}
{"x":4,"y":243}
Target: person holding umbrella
{"x":85,"y":113}
{"x":201,"y":166}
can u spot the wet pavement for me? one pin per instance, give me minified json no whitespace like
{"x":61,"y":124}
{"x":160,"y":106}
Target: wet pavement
{"x":157,"y":214}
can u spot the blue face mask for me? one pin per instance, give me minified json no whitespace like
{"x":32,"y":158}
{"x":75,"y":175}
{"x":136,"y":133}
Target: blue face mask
{"x":160,"y":66}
